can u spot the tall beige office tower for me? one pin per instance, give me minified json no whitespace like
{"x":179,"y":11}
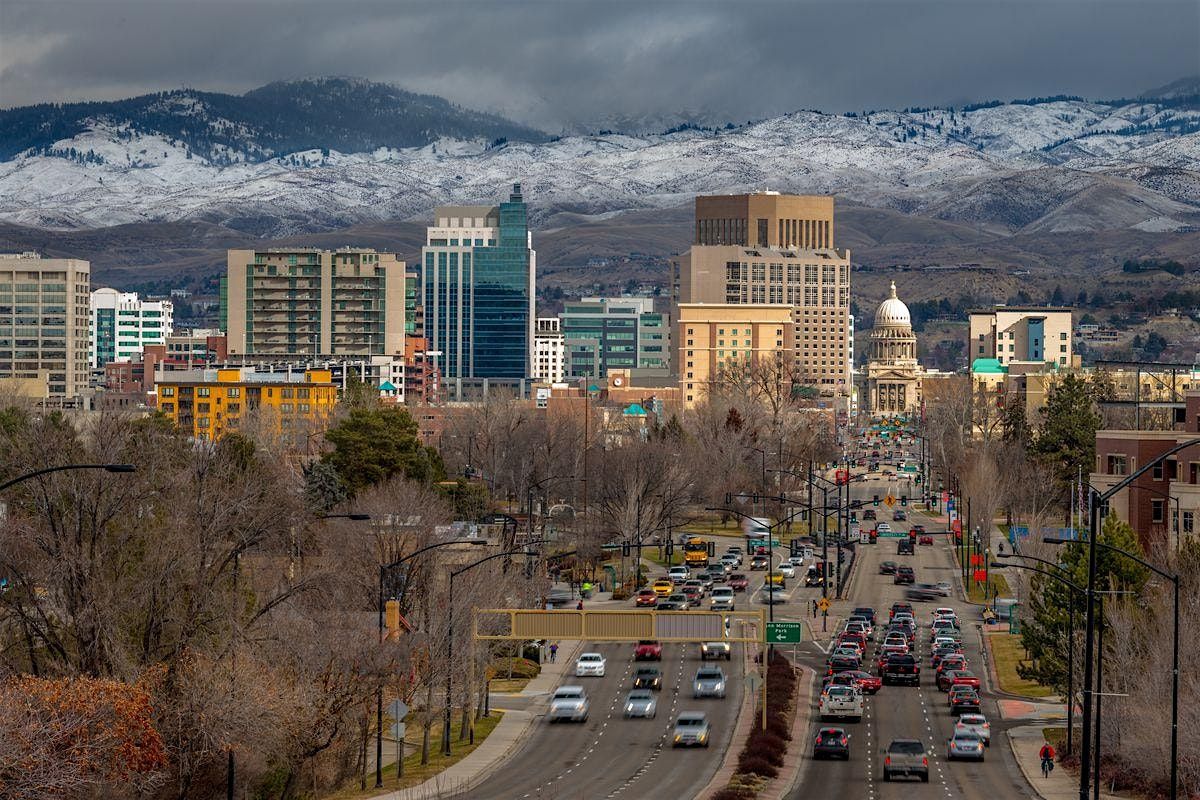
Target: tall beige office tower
{"x":310,"y":302}
{"x":45,"y":309}
{"x":773,"y":248}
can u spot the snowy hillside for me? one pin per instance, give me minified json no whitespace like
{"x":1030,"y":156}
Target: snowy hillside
{"x":1058,"y":165}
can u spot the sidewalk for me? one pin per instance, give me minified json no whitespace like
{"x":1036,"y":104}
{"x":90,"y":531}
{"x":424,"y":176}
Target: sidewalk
{"x":461,"y":777}
{"x":1026,"y":741}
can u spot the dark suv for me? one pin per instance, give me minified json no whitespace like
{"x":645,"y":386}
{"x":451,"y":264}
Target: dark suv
{"x":905,"y":547}
{"x":902,"y":668}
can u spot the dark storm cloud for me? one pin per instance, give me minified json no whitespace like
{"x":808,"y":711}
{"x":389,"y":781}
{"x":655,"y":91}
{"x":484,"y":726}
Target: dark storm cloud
{"x":555,"y":63}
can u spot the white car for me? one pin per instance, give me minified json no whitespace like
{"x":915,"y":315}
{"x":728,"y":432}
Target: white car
{"x":976,"y":724}
{"x":569,"y":704}
{"x":841,"y":701}
{"x":590,"y":665}
{"x":945,"y":613}
{"x":679,"y":574}
{"x":787,"y":570}
{"x":796,"y":561}
{"x":722,"y":598}
{"x":883,"y":527}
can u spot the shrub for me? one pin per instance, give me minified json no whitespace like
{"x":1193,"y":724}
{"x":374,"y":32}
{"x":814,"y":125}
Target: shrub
{"x":757,"y":765}
{"x":521,"y":668}
{"x":766,"y":744}
{"x":734,"y":793}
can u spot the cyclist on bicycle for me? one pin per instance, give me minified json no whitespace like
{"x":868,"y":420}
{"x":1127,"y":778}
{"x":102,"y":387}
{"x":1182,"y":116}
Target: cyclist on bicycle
{"x":1047,"y":756}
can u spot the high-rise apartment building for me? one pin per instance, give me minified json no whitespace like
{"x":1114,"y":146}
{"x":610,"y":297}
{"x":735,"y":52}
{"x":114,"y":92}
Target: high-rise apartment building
{"x":549,"y":350}
{"x":311,"y":302}
{"x":478,"y":290}
{"x":768,"y":248}
{"x":1015,"y":334}
{"x":712,"y":334}
{"x":44,"y":311}
{"x":122,"y":324}
{"x":624,"y":333}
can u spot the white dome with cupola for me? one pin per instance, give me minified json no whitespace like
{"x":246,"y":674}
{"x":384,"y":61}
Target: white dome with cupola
{"x":892,"y":313}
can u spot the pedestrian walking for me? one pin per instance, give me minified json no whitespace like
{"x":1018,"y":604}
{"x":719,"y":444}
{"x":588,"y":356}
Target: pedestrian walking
{"x":814,"y":608}
{"x":579,"y":606}
{"x":553,"y":652}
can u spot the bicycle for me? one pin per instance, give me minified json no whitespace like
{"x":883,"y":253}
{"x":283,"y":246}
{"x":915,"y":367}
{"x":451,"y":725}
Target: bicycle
{"x":1047,"y":767}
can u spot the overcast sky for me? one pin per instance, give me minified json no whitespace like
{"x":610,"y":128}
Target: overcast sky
{"x":559,"y":62}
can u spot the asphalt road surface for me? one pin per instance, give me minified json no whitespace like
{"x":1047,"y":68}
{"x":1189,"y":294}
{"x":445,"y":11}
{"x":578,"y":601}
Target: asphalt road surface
{"x":613,"y":757}
{"x":903,"y":711}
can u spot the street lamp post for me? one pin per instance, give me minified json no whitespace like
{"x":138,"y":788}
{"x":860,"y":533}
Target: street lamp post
{"x":1096,"y":501}
{"x":529,"y":498}
{"x":1070,"y":648}
{"x":450,"y":633}
{"x":63,"y":468}
{"x":383,"y":570}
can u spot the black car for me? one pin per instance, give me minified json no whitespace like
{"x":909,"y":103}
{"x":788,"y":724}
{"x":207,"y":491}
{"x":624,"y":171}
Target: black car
{"x":964,"y":703}
{"x":887,"y":567}
{"x":905,"y":547}
{"x":647,"y":678}
{"x":832,"y":743}
{"x":865,"y":611}
{"x":843,"y":664}
{"x":667,"y":605}
{"x":904,"y":575}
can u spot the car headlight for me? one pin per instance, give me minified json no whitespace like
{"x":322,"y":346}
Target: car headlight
{"x":678,"y":738}
{"x":720,"y":687}
{"x":629,"y":707}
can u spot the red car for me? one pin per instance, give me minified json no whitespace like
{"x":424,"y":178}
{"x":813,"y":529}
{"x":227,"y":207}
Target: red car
{"x":866,"y":682}
{"x":647,"y":650}
{"x":646,"y":597}
{"x":739,"y":582}
{"x":965,"y":678}
{"x":955,"y":661}
{"x":858,"y":638}
{"x":926,"y":539}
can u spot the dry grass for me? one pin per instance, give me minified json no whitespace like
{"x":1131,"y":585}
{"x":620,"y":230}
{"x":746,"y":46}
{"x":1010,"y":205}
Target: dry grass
{"x":414,"y":772}
{"x":1007,"y":652}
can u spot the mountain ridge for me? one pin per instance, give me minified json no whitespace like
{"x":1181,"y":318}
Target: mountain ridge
{"x":1056,"y":164}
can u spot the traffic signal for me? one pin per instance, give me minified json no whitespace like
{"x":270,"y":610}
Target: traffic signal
{"x":875,"y":500}
{"x":625,"y":549}
{"x":904,"y":500}
{"x":669,"y":549}
{"x":712,"y":549}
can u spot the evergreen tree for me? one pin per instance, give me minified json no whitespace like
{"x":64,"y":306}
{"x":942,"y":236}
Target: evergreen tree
{"x":1045,"y":620}
{"x":1067,"y":440}
{"x":1015,"y":423}
{"x":323,"y":487}
{"x":1056,"y":297}
{"x":374,"y":444}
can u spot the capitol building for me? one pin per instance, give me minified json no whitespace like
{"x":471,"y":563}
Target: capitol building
{"x":892,"y":384}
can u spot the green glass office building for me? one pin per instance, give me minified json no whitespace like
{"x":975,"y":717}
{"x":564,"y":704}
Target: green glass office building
{"x":478,"y":268}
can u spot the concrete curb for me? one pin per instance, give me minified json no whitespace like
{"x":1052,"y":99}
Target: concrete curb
{"x":1061,"y":785}
{"x":796,"y":760}
{"x":509,"y":733}
{"x":741,"y":729}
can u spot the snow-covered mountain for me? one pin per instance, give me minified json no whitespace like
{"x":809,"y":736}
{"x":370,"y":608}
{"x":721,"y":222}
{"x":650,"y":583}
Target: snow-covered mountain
{"x":1057,"y":164}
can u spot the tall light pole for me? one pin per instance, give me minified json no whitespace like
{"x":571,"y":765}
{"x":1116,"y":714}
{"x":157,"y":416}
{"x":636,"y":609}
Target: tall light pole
{"x":383,"y":570}
{"x":450,"y":633}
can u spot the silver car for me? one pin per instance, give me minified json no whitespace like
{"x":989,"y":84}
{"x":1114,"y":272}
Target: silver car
{"x":709,"y":682}
{"x":569,"y":704}
{"x":976,"y":724}
{"x":641,"y":703}
{"x":773,"y":595}
{"x":722,"y":598}
{"x":691,"y":730}
{"x":964,"y":744}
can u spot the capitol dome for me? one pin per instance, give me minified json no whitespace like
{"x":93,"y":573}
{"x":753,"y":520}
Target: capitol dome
{"x":892,"y":313}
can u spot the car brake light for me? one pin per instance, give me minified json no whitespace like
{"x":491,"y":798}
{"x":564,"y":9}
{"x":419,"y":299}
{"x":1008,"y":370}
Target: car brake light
{"x":925,"y":761}
{"x":887,"y":761}
{"x":844,"y":740}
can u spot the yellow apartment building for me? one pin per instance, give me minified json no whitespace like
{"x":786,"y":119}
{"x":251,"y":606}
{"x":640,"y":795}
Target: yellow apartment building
{"x":209,"y":403}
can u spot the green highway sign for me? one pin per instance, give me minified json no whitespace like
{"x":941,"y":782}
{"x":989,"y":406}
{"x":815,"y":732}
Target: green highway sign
{"x":783,"y":632}
{"x":893,"y":535}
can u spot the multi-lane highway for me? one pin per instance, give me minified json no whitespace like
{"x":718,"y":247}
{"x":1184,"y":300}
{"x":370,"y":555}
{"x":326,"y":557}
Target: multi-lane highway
{"x":613,"y":757}
{"x":910,"y":712}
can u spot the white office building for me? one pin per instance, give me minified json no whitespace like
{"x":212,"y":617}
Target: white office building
{"x":549,"y":350}
{"x":122,"y":324}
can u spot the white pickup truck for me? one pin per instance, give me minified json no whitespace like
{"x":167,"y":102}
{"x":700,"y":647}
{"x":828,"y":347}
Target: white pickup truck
{"x":841,"y":701}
